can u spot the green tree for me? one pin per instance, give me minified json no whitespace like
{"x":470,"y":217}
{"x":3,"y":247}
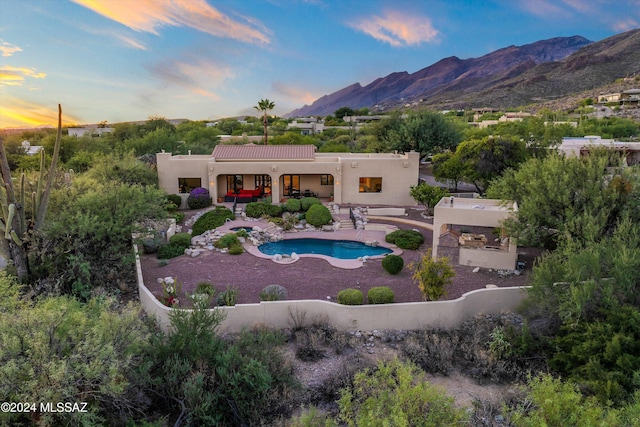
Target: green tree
{"x":427,"y":195}
{"x":562,"y":197}
{"x":426,"y":132}
{"x":394,"y":394}
{"x":265,"y":105}
{"x":447,"y":167}
{"x":343,"y":111}
{"x":486,"y":159}
{"x":432,"y":276}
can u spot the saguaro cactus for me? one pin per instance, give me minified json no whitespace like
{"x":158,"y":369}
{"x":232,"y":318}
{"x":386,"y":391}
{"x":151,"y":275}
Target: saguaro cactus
{"x":14,"y":223}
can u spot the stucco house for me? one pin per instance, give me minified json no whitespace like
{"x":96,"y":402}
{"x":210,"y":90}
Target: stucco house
{"x":579,"y":147}
{"x":247,"y":172}
{"x":486,"y":249}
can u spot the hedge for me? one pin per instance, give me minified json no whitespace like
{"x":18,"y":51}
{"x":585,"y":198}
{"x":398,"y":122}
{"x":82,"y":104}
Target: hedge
{"x":405,"y":239}
{"x":293,"y":205}
{"x":380,"y":295}
{"x":175,"y":199}
{"x":181,"y":239}
{"x":350,"y":296}
{"x":170,"y":251}
{"x":199,"y":198}
{"x":307,"y":202}
{"x":212,"y":219}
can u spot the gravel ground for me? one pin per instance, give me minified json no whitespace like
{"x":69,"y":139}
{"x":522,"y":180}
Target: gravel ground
{"x":311,"y":278}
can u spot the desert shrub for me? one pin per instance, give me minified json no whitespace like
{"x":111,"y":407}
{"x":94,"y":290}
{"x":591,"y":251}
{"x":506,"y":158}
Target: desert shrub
{"x":150,"y":245}
{"x":228,"y":297}
{"x":205,"y":288}
{"x":392,"y":264}
{"x":227,"y":241}
{"x":312,"y":417}
{"x":273,"y":293}
{"x":273,"y":210}
{"x":390,"y":395}
{"x":196,"y":374}
{"x":292,"y":205}
{"x":242,"y":233}
{"x":432,"y":276}
{"x":199,"y":198}
{"x":170,"y":251}
{"x":236,"y":249}
{"x":307,"y":202}
{"x":259,"y":209}
{"x":175,"y":199}
{"x":405,"y":239}
{"x":380,"y":295}
{"x":181,"y":239}
{"x":350,"y":296}
{"x":212,"y":219}
{"x":178,"y":216}
{"x":318,"y":215}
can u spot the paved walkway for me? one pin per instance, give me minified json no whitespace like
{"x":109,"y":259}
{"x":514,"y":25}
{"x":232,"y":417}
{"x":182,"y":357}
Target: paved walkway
{"x":402,"y":220}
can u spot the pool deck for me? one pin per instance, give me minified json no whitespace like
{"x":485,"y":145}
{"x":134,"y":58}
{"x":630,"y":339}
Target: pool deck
{"x":356,"y":235}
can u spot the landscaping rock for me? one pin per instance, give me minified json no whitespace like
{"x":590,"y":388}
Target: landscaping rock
{"x":475,"y":270}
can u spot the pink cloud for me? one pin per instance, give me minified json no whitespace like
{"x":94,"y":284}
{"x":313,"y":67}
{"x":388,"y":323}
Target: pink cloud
{"x":150,"y":15}
{"x":15,"y":76}
{"x":626,"y":25}
{"x":295,"y":94}
{"x":398,"y":28}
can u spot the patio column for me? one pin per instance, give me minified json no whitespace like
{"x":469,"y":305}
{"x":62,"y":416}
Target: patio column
{"x":275,"y":188}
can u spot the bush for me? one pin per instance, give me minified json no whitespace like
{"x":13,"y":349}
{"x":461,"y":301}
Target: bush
{"x":350,"y":296}
{"x":393,"y":264}
{"x":236,"y":249}
{"x":178,"y":216}
{"x":181,"y":239}
{"x":318,"y":215}
{"x":227,"y":241}
{"x":393,"y":394}
{"x":170,"y":251}
{"x":150,"y":245}
{"x":228,"y":297}
{"x":205,"y":288}
{"x":405,"y":239}
{"x":293,"y":205}
{"x":259,"y":209}
{"x":212,"y":219}
{"x":380,"y":295}
{"x":273,"y":293}
{"x":307,"y":202}
{"x":175,"y":199}
{"x":199,"y":198}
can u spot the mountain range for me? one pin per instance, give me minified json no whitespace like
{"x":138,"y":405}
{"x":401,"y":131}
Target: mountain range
{"x":510,"y":77}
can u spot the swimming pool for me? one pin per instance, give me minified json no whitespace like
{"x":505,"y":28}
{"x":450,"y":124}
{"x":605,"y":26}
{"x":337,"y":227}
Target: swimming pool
{"x":343,"y":249}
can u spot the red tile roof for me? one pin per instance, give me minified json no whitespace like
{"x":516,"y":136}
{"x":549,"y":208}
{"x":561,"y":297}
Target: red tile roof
{"x":264,"y":152}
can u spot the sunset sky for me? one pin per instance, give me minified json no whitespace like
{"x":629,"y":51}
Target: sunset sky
{"x":125,"y":60}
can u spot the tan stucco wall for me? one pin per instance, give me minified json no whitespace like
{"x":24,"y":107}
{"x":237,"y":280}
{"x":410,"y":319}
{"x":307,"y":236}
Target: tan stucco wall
{"x":462,"y":212}
{"x":398,"y":172}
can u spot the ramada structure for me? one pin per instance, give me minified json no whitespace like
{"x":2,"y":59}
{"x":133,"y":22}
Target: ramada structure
{"x":489,"y":250}
{"x":248,"y":172}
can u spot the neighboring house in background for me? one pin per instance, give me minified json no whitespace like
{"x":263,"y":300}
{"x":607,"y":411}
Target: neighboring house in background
{"x":628,"y":97}
{"x":31,"y":150}
{"x":90,"y":131}
{"x":474,"y":249}
{"x":251,"y":171}
{"x":578,"y":147}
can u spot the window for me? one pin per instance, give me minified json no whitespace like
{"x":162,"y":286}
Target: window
{"x":234,"y":183}
{"x":291,"y":185}
{"x":326,"y":179}
{"x":185,"y":185}
{"x":370,"y":185}
{"x":263,"y":181}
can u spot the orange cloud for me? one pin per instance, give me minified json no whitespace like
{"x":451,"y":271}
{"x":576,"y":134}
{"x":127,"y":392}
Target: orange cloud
{"x":15,"y":76}
{"x":398,"y":28}
{"x":15,"y":112}
{"x":149,"y":15}
{"x":8,"y":49}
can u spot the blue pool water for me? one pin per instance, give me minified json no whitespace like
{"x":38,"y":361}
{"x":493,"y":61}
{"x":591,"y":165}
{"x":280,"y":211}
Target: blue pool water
{"x":247,"y":229}
{"x":343,"y":249}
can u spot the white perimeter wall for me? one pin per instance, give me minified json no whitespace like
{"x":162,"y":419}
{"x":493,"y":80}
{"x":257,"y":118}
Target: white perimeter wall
{"x":406,"y":316}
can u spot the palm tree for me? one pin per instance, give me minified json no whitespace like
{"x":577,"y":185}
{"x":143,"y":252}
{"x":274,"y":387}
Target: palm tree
{"x":265,"y":105}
